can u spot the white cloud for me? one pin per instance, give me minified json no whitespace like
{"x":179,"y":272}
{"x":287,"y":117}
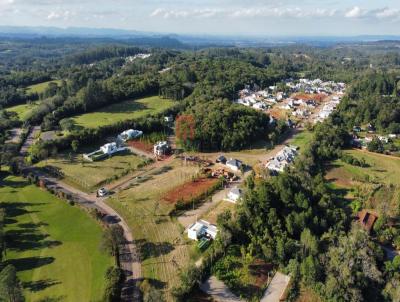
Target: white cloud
{"x":293,"y":12}
{"x":195,"y":13}
{"x":60,"y":15}
{"x":356,"y":12}
{"x":387,"y":13}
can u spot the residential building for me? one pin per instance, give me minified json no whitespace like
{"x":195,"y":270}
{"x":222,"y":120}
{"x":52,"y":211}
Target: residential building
{"x":201,"y":229}
{"x":234,"y":164}
{"x":234,"y":195}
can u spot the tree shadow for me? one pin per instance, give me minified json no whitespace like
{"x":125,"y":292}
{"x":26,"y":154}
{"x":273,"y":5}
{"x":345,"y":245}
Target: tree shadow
{"x":52,"y":299}
{"x":36,"y":286}
{"x":26,"y":239}
{"x":154,"y":249}
{"x":157,"y":284}
{"x":29,"y":263}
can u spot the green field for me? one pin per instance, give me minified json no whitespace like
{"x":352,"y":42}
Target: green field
{"x":301,"y":139}
{"x":41,"y":87}
{"x":22,"y":110}
{"x":54,"y":246}
{"x":127,"y":110}
{"x":382,"y":168}
{"x":88,"y":176}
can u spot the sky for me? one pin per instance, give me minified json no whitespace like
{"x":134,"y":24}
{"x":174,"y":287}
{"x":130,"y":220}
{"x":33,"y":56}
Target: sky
{"x":216,"y":17}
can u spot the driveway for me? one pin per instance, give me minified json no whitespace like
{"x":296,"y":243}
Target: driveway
{"x":276,"y":288}
{"x":218,"y":290}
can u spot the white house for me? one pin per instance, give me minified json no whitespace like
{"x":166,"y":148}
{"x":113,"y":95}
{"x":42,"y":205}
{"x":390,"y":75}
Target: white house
{"x":234,"y":195}
{"x":201,"y":229}
{"x":109,"y":148}
{"x":233,"y":164}
{"x":130,"y":134}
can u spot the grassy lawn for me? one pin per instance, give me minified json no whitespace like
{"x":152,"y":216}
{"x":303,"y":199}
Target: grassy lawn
{"x":127,"y":110}
{"x":164,"y":247}
{"x":54,"y":246}
{"x":301,"y":139}
{"x":382,"y":169}
{"x":41,"y":87}
{"x":212,"y":214}
{"x":22,"y":110}
{"x":90,"y":175}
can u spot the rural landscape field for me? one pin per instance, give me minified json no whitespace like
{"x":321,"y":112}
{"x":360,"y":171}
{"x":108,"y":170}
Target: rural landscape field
{"x":131,"y":109}
{"x":199,"y":151}
{"x":53,"y":246}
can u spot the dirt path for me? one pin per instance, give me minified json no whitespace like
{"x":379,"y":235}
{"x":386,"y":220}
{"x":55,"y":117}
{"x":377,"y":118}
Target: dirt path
{"x":141,"y":152}
{"x":124,"y":182}
{"x":29,"y":140}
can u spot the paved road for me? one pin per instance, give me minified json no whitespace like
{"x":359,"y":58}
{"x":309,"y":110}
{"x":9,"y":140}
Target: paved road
{"x":218,"y":290}
{"x":276,"y":288}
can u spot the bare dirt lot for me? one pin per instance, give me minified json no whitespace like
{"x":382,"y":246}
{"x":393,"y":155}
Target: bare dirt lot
{"x":189,"y":190}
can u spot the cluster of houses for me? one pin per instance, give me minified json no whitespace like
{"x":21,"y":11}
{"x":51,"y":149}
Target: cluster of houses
{"x":315,"y":86}
{"x":142,"y":56}
{"x":282,"y":159}
{"x":112,"y":148}
{"x":328,"y":108}
{"x":263,"y":99}
{"x":259,"y":99}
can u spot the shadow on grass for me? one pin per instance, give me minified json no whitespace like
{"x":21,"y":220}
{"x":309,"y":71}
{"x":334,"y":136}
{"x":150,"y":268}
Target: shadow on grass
{"x":14,"y":209}
{"x":153,"y":249}
{"x":36,"y":286}
{"x":29,"y":263}
{"x":52,"y":299}
{"x":27,"y":239}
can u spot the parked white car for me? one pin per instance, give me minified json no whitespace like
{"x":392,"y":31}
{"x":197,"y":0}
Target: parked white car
{"x":102,"y":192}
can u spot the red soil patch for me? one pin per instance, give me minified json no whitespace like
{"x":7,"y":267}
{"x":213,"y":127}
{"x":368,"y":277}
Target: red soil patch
{"x":141,"y":145}
{"x":277,"y":113}
{"x":189,"y":190}
{"x":305,"y":96}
